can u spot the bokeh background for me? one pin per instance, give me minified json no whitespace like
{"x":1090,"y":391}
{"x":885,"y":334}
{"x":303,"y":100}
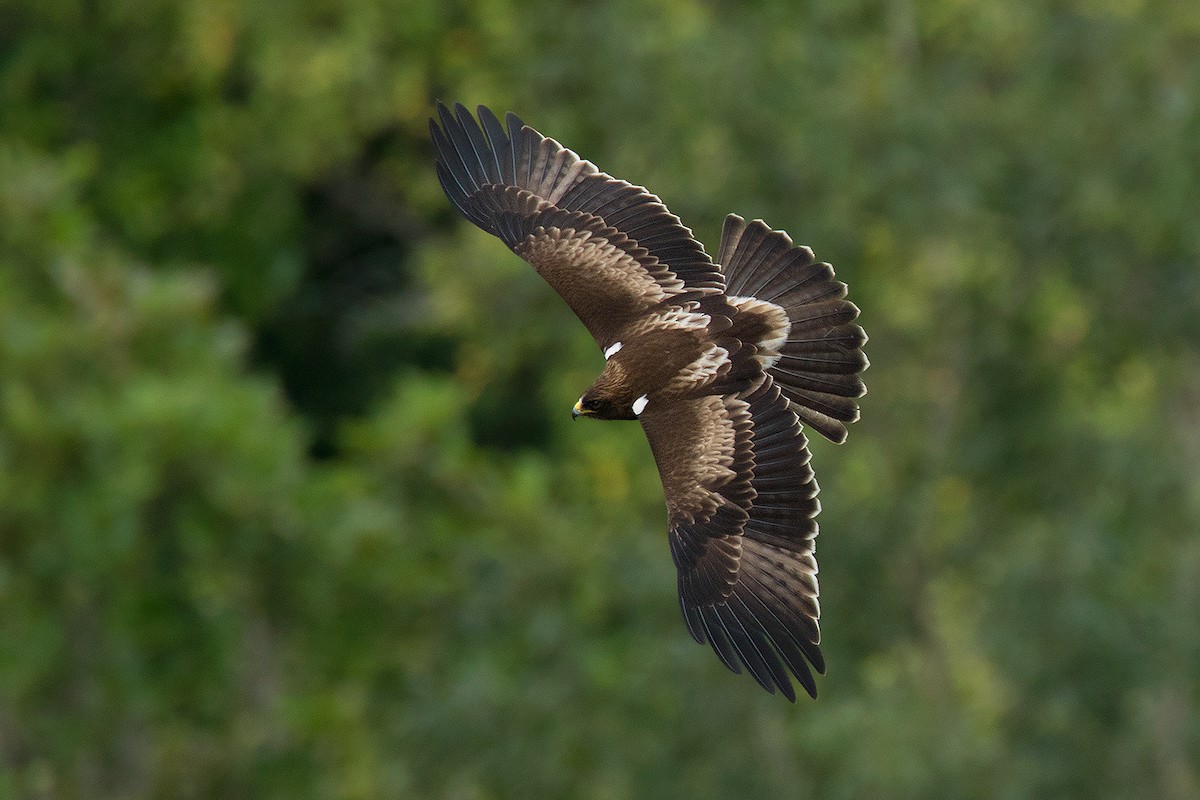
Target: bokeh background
{"x":291,"y":504}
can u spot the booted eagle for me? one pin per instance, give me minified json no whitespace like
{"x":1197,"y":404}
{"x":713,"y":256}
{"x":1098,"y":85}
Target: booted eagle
{"x":720,"y":361}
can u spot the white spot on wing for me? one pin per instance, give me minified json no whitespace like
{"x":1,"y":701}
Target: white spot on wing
{"x":639,"y":405}
{"x":612,"y":351}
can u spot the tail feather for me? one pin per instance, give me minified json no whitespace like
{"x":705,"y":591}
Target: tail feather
{"x":845,"y":387}
{"x":825,"y":291}
{"x":806,"y":282}
{"x":818,"y":366}
{"x":752,"y":256}
{"x":842,"y":338}
{"x":845,"y":365}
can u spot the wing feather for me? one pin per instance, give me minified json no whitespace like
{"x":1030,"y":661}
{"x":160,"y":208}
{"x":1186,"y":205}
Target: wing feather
{"x":484,"y":155}
{"x":741,"y":503}
{"x":718,"y":640}
{"x":503,"y":156}
{"x":617,"y":246}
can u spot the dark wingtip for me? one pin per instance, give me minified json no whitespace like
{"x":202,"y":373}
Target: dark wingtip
{"x":438,"y":109}
{"x":483,"y":112}
{"x":514,"y":123}
{"x":443,"y":113}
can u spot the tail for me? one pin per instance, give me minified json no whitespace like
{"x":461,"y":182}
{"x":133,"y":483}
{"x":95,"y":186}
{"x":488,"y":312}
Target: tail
{"x":819,"y":363}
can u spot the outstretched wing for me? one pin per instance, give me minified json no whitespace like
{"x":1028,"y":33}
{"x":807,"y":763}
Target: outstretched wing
{"x":741,"y":508}
{"x":611,"y":249}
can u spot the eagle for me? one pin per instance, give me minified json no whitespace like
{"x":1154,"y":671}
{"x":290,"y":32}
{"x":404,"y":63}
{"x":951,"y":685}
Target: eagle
{"x":722,"y":362}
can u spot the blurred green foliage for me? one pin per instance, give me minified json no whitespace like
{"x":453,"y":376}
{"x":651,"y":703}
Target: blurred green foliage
{"x":290,"y":502}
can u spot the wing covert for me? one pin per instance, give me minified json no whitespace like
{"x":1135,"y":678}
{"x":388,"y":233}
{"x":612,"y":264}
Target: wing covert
{"x":741,"y":507}
{"x":611,"y":249}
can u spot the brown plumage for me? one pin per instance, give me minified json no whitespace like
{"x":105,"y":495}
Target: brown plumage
{"x":721,"y":362}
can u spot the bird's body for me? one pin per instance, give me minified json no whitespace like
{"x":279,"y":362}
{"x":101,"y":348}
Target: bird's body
{"x":679,"y":352}
{"x":720,"y":361}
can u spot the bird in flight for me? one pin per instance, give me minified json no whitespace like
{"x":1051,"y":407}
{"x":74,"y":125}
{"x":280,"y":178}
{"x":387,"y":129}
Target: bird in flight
{"x":721,"y":361}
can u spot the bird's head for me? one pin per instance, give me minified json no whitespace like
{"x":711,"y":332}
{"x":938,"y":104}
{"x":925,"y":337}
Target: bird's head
{"x":611,"y":396}
{"x":597,"y":404}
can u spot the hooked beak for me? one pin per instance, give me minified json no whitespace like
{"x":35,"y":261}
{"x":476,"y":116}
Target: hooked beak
{"x":578,"y":410}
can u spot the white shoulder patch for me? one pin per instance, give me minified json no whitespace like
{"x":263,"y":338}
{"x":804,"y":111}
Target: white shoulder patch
{"x":639,"y":405}
{"x":612,"y":351}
